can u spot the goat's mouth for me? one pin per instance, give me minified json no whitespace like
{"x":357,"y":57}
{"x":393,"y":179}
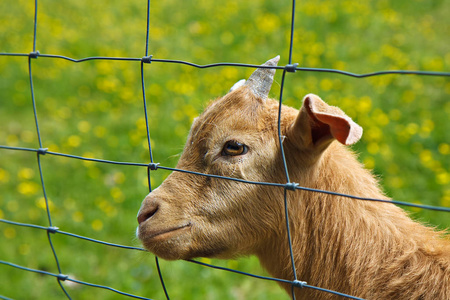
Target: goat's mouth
{"x":160,"y":234}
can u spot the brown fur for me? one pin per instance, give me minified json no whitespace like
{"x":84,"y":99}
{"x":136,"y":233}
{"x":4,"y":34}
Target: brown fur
{"x":367,"y":249}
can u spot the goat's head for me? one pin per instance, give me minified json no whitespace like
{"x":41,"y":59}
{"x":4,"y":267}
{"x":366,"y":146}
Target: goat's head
{"x":236,"y":136}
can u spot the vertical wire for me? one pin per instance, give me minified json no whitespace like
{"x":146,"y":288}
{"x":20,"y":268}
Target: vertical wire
{"x":34,"y":102}
{"x":143,"y":91}
{"x":35,"y":24}
{"x":148,"y":28}
{"x":291,"y":252}
{"x":280,"y":137}
{"x":161,"y":279}
{"x":148,"y":169}
{"x":47,"y":207}
{"x":286,"y":213}
{"x":291,"y":43}
{"x":42,"y":151}
{"x":149,"y":143}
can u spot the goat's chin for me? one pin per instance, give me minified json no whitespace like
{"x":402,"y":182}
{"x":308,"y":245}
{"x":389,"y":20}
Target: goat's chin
{"x":178,"y":250}
{"x":168,"y":250}
{"x":179,"y":244}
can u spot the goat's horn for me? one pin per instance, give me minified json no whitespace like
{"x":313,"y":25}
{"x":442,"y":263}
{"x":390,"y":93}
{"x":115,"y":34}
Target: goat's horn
{"x":261,"y":80}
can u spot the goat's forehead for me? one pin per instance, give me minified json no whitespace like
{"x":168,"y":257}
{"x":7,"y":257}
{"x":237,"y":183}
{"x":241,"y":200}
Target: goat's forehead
{"x":224,"y":114}
{"x":210,"y":123}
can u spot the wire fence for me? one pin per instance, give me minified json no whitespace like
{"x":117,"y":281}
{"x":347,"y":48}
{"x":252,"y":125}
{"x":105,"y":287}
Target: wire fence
{"x":153,"y":166}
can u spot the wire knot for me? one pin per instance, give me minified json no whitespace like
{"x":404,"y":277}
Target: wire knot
{"x":62,"y":277}
{"x":153,"y":166}
{"x":53,"y":229}
{"x":42,"y":151}
{"x":292,"y":186}
{"x":299,"y":284}
{"x":291,"y":68}
{"x":147,"y":59}
{"x":34,"y":54}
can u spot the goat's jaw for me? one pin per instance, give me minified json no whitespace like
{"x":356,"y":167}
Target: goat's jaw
{"x":179,"y":242}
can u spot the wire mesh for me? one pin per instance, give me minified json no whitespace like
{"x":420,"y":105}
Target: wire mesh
{"x":40,"y":151}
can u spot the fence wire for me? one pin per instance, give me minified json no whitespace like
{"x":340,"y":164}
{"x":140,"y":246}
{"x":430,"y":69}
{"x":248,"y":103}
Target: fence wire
{"x":40,"y":151}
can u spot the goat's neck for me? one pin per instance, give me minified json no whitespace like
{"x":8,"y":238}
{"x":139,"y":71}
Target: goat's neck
{"x":324,"y":228}
{"x":338,"y":242}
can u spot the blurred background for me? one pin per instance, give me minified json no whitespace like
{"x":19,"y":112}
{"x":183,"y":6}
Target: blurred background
{"x":94,"y":109}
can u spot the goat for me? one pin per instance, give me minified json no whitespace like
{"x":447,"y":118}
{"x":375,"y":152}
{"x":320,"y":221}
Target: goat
{"x":366,"y":249}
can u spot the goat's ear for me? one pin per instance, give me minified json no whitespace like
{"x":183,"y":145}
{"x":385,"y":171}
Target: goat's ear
{"x":318,"y":124}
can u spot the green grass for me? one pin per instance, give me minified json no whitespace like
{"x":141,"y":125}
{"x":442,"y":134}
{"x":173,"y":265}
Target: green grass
{"x":94,"y":109}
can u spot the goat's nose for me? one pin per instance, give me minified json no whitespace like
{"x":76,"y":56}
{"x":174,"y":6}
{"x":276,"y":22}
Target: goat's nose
{"x":147,"y":211}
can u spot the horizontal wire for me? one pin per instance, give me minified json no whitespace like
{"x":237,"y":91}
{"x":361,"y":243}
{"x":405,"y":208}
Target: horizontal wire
{"x":56,"y":230}
{"x":291,"y":68}
{"x":62,"y":277}
{"x":301,"y":284}
{"x":53,"y":229}
{"x":74,"y":156}
{"x":281,"y":185}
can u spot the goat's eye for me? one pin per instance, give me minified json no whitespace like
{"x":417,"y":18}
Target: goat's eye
{"x":233,"y":148}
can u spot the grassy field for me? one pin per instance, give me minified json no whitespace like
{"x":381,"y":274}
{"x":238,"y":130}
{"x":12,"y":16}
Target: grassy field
{"x":94,"y":109}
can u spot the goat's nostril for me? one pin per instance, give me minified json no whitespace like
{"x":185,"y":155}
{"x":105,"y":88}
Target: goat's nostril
{"x":147,"y":212}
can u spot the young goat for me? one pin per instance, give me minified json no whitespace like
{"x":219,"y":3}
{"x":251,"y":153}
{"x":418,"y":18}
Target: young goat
{"x":367,"y":249}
